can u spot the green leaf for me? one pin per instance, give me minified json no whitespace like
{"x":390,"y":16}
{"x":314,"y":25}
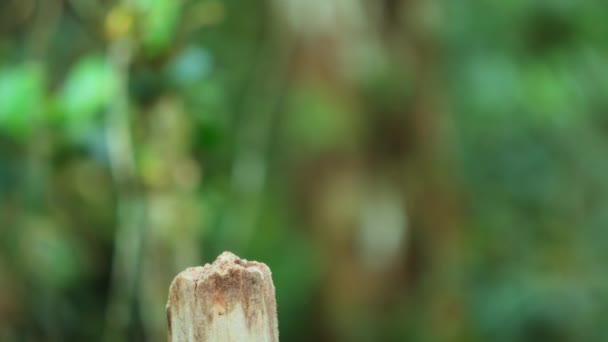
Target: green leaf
{"x":21,"y":98}
{"x":88,"y":88}
{"x":159,"y":22}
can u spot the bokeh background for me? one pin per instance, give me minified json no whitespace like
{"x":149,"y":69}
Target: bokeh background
{"x":411,"y":170}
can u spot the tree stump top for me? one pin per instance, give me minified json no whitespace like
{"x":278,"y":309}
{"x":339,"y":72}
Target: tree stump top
{"x":230,"y":300}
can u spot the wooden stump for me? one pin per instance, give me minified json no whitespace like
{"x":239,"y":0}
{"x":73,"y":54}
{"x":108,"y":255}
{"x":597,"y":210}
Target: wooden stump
{"x":229,"y":300}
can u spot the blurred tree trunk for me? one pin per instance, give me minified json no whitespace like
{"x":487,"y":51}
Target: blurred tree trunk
{"x":432,"y":191}
{"x":383,"y":209}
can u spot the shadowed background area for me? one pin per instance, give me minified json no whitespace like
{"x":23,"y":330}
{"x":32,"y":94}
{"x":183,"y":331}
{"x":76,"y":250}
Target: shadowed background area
{"x":410,"y":170}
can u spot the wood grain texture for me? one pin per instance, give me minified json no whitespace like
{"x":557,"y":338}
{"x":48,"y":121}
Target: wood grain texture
{"x":229,"y":300}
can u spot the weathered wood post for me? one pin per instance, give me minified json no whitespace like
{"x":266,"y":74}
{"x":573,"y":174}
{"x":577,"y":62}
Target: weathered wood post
{"x":230,"y":300}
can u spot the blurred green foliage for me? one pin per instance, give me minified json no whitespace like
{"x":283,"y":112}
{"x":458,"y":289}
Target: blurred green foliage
{"x":22,"y":97}
{"x":410,"y":171}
